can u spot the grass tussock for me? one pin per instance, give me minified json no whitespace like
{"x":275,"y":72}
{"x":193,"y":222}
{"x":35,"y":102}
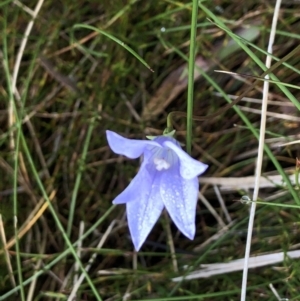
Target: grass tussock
{"x":60,"y":234}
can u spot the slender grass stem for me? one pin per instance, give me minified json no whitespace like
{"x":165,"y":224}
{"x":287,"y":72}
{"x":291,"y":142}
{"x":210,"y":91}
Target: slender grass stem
{"x":260,"y":153}
{"x":15,"y":201}
{"x":79,"y":175}
{"x":191,"y":69}
{"x":14,"y":145}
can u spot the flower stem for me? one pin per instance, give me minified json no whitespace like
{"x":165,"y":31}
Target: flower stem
{"x":169,"y":123}
{"x":191,"y":76}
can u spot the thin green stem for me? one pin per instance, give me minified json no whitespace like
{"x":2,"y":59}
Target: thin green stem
{"x":129,"y":49}
{"x":190,"y":99}
{"x":277,"y":204}
{"x":79,"y":175}
{"x":297,"y":174}
{"x":15,"y":160}
{"x":169,"y":122}
{"x":15,"y":201}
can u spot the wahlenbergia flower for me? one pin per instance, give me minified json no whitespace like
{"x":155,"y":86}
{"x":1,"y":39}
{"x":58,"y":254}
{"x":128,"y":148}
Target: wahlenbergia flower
{"x":167,"y":178}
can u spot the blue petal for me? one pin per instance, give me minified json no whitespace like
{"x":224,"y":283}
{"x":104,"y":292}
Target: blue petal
{"x":189,"y":167}
{"x":180,"y":198}
{"x":162,"y":139}
{"x":143,"y":213}
{"x":128,"y":147}
{"x":138,"y":189}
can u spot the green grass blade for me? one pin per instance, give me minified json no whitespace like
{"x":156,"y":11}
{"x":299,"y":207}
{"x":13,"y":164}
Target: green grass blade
{"x":79,"y":176}
{"x":191,"y":69}
{"x":15,"y":161}
{"x":100,"y":31}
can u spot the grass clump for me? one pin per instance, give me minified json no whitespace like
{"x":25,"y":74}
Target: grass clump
{"x":61,"y":238}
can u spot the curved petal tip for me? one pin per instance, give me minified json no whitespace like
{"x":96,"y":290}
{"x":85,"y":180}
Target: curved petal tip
{"x":189,"y":167}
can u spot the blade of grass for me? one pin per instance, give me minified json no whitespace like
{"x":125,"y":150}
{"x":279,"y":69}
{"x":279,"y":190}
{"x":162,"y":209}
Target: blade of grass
{"x":191,"y":73}
{"x":165,"y":14}
{"x":277,"y":204}
{"x":15,"y":210}
{"x":6,"y":253}
{"x":258,"y":78}
{"x":15,"y":147}
{"x":79,"y":176}
{"x":275,"y":58}
{"x":91,"y":261}
{"x":260,"y":153}
{"x":78,"y":26}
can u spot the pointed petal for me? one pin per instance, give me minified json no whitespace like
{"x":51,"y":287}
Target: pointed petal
{"x":130,"y":148}
{"x":139,"y":188}
{"x":189,"y":167}
{"x":143,"y":213}
{"x":180,"y":198}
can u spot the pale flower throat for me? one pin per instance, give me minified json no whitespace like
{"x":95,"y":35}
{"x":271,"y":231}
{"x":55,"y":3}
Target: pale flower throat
{"x":161,"y":164}
{"x":164,"y":158}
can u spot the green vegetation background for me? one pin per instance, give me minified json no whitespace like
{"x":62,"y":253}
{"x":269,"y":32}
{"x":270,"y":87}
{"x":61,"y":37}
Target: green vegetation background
{"x":59,"y":177}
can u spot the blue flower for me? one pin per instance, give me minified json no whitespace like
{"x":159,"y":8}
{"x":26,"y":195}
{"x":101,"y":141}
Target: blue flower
{"x":167,"y":178}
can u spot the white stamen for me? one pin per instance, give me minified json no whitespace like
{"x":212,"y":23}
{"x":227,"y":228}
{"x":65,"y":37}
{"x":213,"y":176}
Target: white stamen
{"x":161,"y":164}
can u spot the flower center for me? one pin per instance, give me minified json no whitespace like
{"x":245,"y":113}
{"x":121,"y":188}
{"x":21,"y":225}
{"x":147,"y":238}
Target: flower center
{"x":161,"y":164}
